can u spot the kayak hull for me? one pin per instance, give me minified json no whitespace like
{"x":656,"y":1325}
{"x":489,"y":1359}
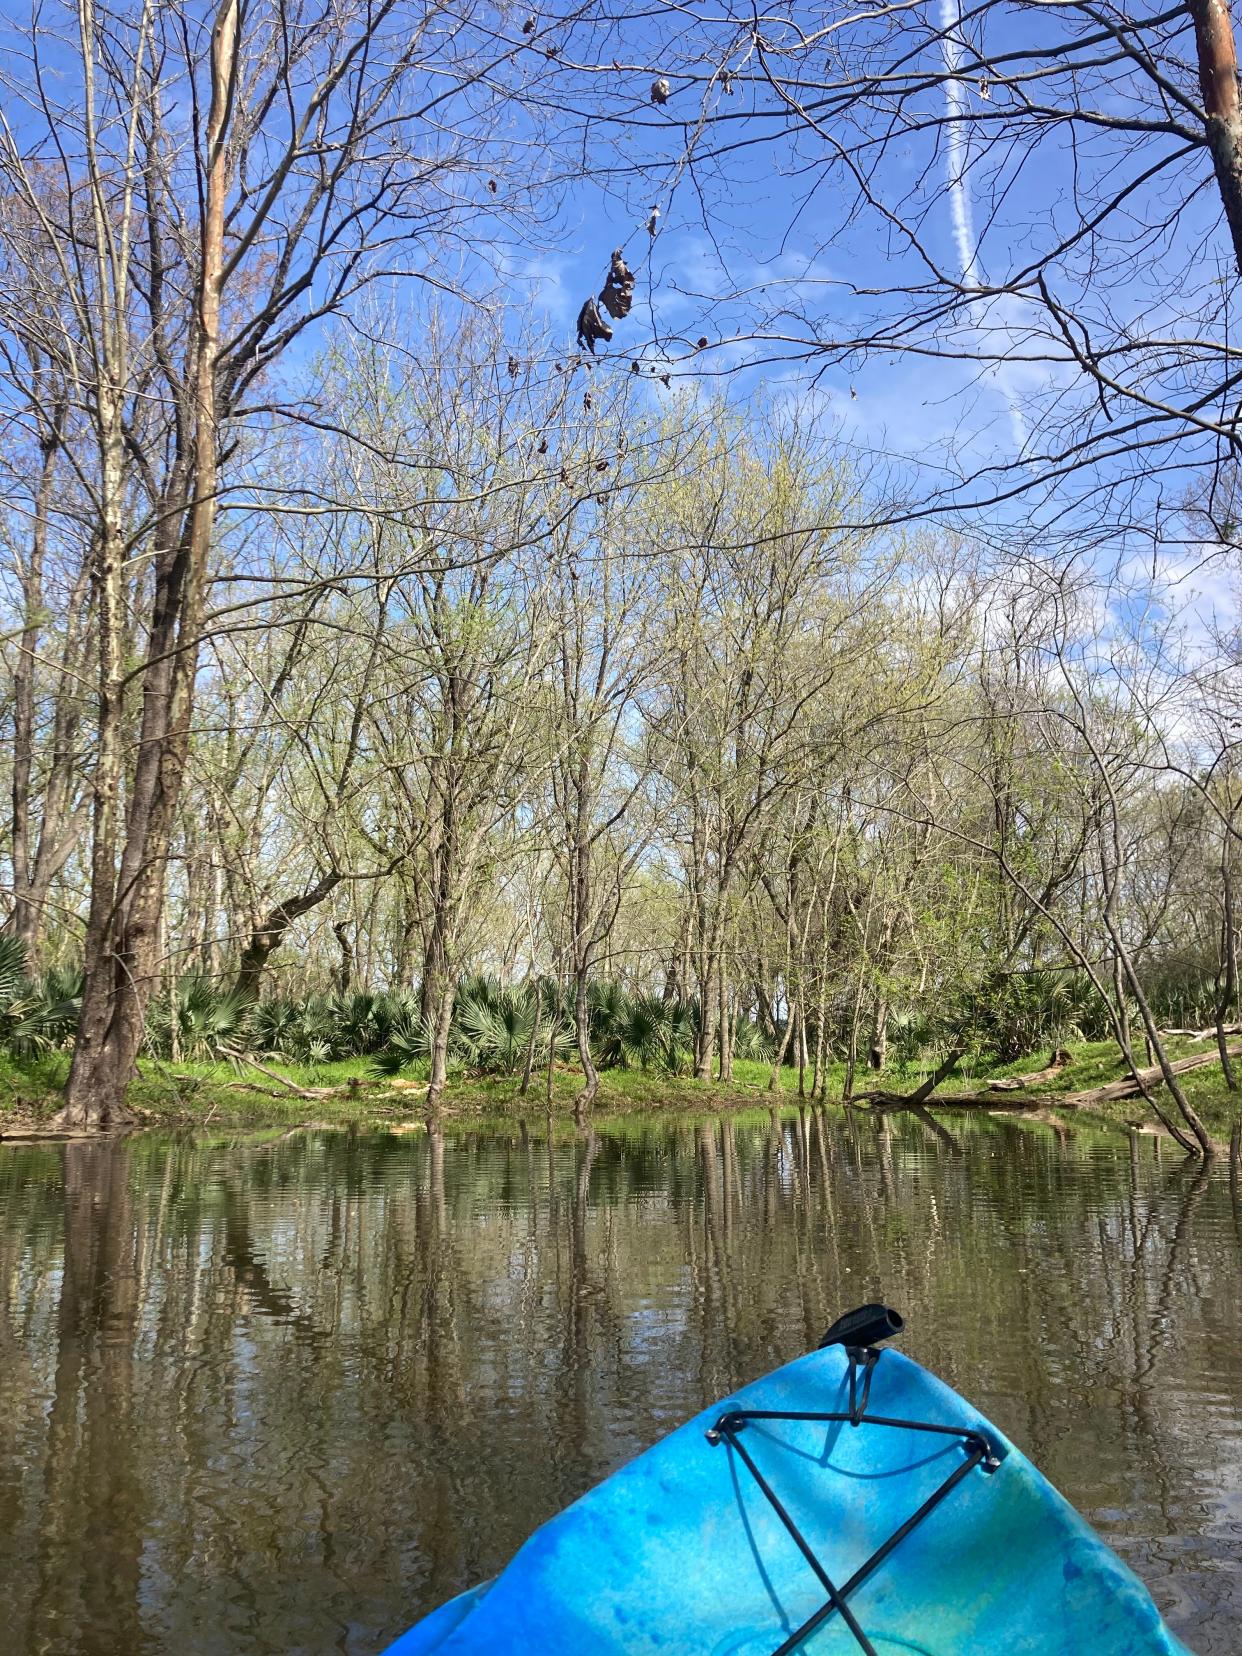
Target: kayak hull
{"x":680,"y":1553}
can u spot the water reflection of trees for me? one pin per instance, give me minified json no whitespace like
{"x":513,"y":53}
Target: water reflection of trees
{"x":269,"y":1394}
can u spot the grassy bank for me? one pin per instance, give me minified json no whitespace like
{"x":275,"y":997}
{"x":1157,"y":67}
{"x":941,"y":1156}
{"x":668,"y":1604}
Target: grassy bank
{"x":350,"y":1092}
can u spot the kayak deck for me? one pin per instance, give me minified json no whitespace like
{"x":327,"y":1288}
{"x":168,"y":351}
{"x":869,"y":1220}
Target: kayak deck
{"x":755,"y":1528}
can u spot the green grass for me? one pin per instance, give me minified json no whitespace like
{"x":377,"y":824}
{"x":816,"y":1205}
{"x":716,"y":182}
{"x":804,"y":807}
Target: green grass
{"x":226,"y":1096}
{"x":1093,"y":1063}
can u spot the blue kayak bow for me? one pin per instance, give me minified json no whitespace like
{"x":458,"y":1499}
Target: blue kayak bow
{"x":848,"y":1502}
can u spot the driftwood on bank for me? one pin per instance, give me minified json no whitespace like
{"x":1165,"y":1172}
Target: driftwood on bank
{"x":1015,"y":1083}
{"x":192,"y":1082}
{"x":1128,"y":1086}
{"x":351,"y":1086}
{"x":956,"y":1101}
{"x":1208,"y":1034}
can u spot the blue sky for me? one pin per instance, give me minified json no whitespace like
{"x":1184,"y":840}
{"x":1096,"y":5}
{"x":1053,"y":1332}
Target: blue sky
{"x":759,"y":242}
{"x":767,"y":228}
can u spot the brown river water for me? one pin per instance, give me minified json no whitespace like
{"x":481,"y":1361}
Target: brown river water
{"x":287,"y":1394}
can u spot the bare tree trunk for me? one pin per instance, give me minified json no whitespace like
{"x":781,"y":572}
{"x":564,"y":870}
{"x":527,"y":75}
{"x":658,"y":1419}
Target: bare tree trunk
{"x":725,"y":1019}
{"x":529,"y":1062}
{"x":877,"y":1053}
{"x":708,"y":973}
{"x":582,"y":920}
{"x":590,"y":1075}
{"x":1227,"y":975}
{"x":439,"y":957}
{"x":1123,"y":1008}
{"x":99,"y":1073}
{"x":1218,"y":83}
{"x":123,"y":923}
{"x":26,"y":919}
{"x":343,"y":976}
{"x":778,"y":1057}
{"x":819,"y":1074}
{"x":441,"y":1028}
{"x":851,"y":1053}
{"x":550,"y":1071}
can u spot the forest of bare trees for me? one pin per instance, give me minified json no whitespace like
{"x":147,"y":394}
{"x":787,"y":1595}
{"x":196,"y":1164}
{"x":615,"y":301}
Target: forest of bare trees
{"x":360,"y":635}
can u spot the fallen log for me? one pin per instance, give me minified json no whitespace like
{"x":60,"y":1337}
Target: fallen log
{"x":1208,"y":1034}
{"x":1128,"y":1086}
{"x":954,"y":1101}
{"x":1015,"y":1083}
{"x":275,"y":1075}
{"x":1132,"y":1086}
{"x":234,"y":1084}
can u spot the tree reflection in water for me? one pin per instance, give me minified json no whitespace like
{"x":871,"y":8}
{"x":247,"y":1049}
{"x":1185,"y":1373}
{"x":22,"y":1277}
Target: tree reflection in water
{"x":263,"y":1395}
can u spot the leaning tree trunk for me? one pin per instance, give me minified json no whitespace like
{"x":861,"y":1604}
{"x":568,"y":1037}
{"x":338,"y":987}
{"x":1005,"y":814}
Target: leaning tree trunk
{"x":1201,"y":1137}
{"x":267,"y":936}
{"x":778,"y":1057}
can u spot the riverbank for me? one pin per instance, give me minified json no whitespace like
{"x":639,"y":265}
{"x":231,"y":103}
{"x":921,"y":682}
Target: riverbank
{"x":352,"y":1093}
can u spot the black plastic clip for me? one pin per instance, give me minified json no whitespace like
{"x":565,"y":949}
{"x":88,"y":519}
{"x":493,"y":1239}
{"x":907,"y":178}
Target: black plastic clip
{"x":866,"y":1358}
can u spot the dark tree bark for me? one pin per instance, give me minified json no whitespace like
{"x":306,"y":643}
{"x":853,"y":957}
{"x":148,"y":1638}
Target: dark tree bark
{"x":269,"y":934}
{"x":347,"y":965}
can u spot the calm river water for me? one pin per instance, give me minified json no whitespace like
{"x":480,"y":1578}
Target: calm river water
{"x":286,"y":1395}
